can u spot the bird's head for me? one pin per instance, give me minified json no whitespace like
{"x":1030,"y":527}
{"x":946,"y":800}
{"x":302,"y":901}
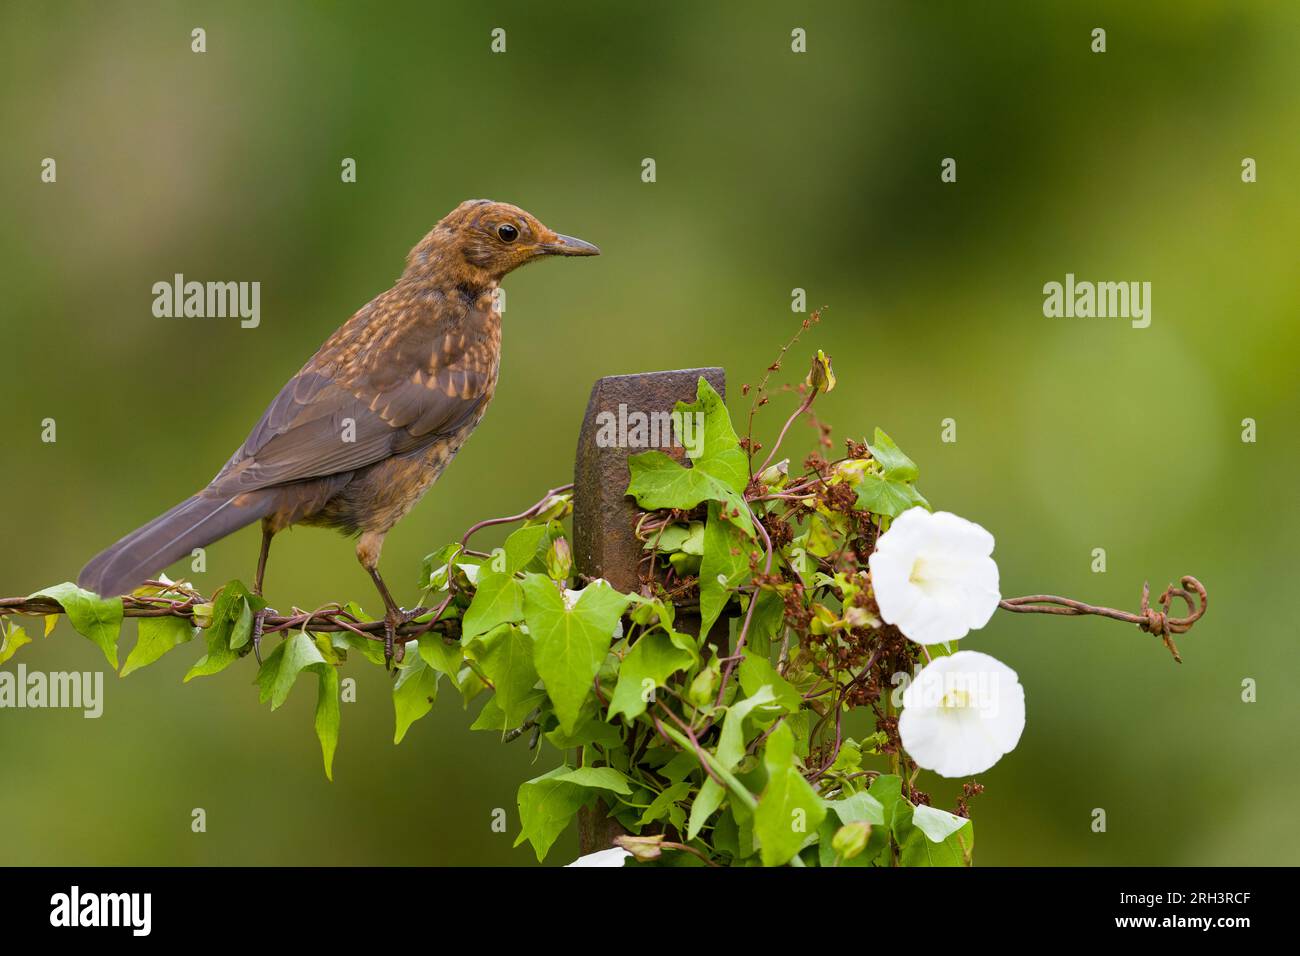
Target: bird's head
{"x":490,"y":239}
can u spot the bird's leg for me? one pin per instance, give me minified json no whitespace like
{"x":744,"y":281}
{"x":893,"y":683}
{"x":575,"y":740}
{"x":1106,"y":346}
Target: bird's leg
{"x":392,"y":617}
{"x":259,"y":619}
{"x":368,"y":549}
{"x":267,"y":534}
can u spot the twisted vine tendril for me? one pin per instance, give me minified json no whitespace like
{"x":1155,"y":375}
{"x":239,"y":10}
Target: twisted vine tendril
{"x":1157,"y":622}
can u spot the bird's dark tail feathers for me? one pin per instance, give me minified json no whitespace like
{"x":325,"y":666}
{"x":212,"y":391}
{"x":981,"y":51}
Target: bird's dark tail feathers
{"x":194,"y":523}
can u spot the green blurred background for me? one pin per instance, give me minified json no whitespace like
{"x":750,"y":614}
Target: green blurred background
{"x":775,"y":171}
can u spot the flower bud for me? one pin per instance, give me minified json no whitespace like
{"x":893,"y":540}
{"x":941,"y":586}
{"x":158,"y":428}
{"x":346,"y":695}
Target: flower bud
{"x":822,"y":376}
{"x":823,"y":619}
{"x":556,"y":508}
{"x":851,"y":839}
{"x":643,"y":848}
{"x":705,"y":684}
{"x":855,"y":616}
{"x":774,"y":476}
{"x":850,"y":471}
{"x":559,"y":560}
{"x":202,"y":615}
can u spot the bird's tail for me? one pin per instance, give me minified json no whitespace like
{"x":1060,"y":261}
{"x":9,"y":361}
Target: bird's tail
{"x":194,"y":523}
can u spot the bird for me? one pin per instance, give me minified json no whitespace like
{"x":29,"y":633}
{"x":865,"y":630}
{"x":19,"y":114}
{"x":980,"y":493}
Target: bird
{"x":370,"y":422}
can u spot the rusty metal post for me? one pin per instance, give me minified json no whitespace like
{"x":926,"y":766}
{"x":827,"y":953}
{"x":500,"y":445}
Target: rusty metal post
{"x":604,"y":518}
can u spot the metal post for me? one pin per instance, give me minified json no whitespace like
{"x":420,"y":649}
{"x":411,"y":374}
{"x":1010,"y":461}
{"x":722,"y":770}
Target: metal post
{"x":604,"y":518}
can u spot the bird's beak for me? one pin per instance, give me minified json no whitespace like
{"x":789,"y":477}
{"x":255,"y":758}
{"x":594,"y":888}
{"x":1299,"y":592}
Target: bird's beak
{"x":568,"y":246}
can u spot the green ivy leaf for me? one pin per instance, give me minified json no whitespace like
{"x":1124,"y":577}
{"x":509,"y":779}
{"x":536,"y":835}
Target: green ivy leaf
{"x":724,"y":567}
{"x":506,"y":656}
{"x":646,"y":668}
{"x":727,"y":838}
{"x":685,"y":565}
{"x":730,"y":751}
{"x":155,"y":637}
{"x":721,"y":456}
{"x":660,"y":482}
{"x":570,"y":644}
{"x":674,"y":537}
{"x":598,"y":778}
{"x":756,"y":672}
{"x":12,"y":637}
{"x":789,"y":810}
{"x":719,"y":473}
{"x":731,"y":742}
{"x":859,"y":808}
{"x":938,"y":825}
{"x":92,"y":616}
{"x":930,"y":837}
{"x":706,"y":802}
{"x":414,"y":692}
{"x":228,"y":619}
{"x":371,"y":650}
{"x":547,"y":804}
{"x":682,"y":764}
{"x":433,"y":569}
{"x":665,"y":806}
{"x":589,"y":731}
{"x":281,"y":668}
{"x":438,"y":654}
{"x":824,"y":538}
{"x":849,"y":759}
{"x":471,"y":685}
{"x":890,"y":492}
{"x":498,"y":599}
{"x":885,"y":496}
{"x":491,"y":717}
{"x":887,"y":790}
{"x":768,"y":620}
{"x":522,"y":546}
{"x":327,"y":715}
{"x":893,"y":463}
{"x":693,"y":543}
{"x":800,"y":724}
{"x":242,"y":630}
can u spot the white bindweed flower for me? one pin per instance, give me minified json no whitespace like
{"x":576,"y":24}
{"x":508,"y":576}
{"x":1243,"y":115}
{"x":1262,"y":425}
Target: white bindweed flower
{"x":614,"y":856}
{"x":934,"y":576}
{"x":962,"y":713}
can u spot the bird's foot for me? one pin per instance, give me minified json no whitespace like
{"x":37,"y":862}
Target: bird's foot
{"x":395,"y":618}
{"x":259,"y":621}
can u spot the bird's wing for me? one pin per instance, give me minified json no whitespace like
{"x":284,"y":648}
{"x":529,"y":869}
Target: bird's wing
{"x":305,"y":433}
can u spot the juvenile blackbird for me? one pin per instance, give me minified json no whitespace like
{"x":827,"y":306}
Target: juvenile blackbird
{"x":368,"y":424}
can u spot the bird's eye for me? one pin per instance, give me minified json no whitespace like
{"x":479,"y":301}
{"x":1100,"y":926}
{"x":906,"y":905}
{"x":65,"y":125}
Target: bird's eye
{"x":507,"y":232}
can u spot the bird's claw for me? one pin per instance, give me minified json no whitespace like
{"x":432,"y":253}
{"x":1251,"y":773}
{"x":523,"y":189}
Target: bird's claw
{"x":390,"y":635}
{"x":259,"y":621}
{"x":393,"y":651}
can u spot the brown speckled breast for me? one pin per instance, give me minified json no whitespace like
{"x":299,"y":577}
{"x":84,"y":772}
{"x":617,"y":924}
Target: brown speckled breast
{"x":456,"y":369}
